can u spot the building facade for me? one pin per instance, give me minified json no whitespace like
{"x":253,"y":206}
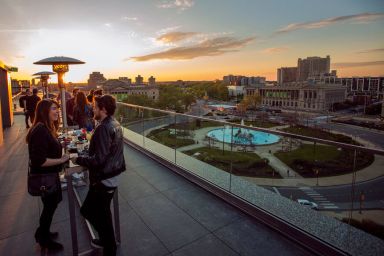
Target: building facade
{"x":307,"y":97}
{"x":286,"y":75}
{"x":312,"y":67}
{"x":95,"y":79}
{"x":121,"y":89}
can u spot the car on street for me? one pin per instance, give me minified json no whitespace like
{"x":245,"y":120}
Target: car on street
{"x":307,"y":203}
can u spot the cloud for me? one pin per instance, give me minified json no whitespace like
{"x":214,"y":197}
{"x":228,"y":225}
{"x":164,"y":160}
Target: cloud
{"x":179,"y":4}
{"x":275,"y":50}
{"x":19,"y":30}
{"x":167,"y":30}
{"x":126,"y":18}
{"x":372,"y":50}
{"x":357,"y":64}
{"x":360,"y":18}
{"x":209,"y":47}
{"x":173,"y":37}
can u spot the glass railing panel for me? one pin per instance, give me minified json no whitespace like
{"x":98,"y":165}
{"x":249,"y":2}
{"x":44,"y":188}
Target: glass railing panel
{"x":158,"y":138}
{"x":202,"y":152}
{"x":131,"y":119}
{"x":298,"y":173}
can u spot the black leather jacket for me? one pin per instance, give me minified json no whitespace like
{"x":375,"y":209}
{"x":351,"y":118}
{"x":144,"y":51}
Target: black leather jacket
{"x":106,"y":151}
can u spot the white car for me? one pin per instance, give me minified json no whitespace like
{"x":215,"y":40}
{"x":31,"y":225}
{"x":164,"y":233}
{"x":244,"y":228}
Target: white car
{"x":308,"y":204}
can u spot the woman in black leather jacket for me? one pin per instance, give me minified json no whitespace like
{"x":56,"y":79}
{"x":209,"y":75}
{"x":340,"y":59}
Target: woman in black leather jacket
{"x":45,"y":156}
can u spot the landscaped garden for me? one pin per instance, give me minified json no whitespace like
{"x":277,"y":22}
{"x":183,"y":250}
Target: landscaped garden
{"x":243,"y":164}
{"x":323,"y":160}
{"x":173,"y":140}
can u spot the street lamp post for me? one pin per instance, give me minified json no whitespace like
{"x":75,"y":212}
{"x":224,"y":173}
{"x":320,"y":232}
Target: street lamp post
{"x":60,"y":65}
{"x":44,"y":76}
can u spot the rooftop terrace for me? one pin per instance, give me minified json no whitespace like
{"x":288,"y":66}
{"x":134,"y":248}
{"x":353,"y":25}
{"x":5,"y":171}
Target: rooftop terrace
{"x":161,"y":213}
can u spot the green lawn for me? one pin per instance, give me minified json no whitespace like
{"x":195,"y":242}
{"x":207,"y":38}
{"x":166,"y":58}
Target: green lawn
{"x":327,"y":159}
{"x":243,"y":164}
{"x":164,"y":137}
{"x":307,"y":152}
{"x":318,"y":133}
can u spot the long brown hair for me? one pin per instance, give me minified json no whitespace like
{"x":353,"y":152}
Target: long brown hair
{"x":42,"y":116}
{"x":81,"y":101}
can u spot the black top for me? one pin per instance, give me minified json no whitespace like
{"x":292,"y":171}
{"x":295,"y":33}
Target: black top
{"x":106,"y":151}
{"x":23,"y":100}
{"x":43,"y":145}
{"x":32,"y":102}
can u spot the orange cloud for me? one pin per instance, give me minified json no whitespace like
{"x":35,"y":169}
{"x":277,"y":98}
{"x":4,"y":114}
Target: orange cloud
{"x":275,"y":50}
{"x":173,"y":37}
{"x":210,"y":47}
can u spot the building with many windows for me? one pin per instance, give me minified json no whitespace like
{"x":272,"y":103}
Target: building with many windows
{"x":312,"y":67}
{"x":121,"y":88}
{"x":305,"y":97}
{"x":286,"y":75}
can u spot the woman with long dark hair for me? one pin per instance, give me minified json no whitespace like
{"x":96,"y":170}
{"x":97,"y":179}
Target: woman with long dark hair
{"x":82,"y":112}
{"x":45,"y":156}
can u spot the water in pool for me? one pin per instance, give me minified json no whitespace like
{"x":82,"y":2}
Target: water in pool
{"x":243,"y":136}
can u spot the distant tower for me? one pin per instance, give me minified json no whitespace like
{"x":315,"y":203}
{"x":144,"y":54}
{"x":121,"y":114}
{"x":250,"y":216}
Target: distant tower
{"x":152,"y":81}
{"x":139,"y":80}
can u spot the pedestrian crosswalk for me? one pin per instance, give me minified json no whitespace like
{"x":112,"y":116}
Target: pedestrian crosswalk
{"x":321,"y":200}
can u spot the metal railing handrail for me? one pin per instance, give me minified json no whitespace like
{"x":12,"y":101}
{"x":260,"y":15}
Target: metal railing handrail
{"x":281,"y":133}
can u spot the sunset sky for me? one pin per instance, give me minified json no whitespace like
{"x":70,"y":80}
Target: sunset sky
{"x":191,"y":39}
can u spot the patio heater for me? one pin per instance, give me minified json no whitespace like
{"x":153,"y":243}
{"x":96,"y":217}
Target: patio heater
{"x":60,"y":65}
{"x":44,"y":76}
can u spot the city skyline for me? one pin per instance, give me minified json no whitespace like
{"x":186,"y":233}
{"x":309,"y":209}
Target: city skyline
{"x":192,"y":40}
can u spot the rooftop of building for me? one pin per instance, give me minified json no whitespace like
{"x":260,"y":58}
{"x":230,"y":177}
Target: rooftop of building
{"x":161,"y":213}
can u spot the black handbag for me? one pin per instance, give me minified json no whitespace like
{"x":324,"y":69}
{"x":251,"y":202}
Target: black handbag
{"x":42,"y":184}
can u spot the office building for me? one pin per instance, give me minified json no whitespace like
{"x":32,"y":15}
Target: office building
{"x":312,"y":67}
{"x":286,"y":75}
{"x":305,"y":97}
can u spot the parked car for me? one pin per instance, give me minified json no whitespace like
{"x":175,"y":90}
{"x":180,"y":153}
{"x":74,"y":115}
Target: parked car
{"x":307,"y":203}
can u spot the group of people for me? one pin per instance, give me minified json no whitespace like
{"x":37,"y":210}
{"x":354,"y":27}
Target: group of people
{"x":79,"y":108}
{"x":28,"y":103}
{"x":104,"y":161}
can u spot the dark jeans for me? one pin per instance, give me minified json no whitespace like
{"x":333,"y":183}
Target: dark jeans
{"x":50,"y":203}
{"x":26,"y":118}
{"x":96,"y":209}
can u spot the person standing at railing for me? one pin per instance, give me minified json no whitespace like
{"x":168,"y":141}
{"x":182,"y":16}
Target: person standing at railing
{"x":23,"y":105}
{"x":32,"y":103}
{"x":104,"y":162}
{"x":45,"y":159}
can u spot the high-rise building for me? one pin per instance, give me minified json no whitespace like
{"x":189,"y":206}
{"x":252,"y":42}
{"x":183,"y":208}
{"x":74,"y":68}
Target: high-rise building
{"x":152,"y":81}
{"x":286,"y":75}
{"x":312,"y":67}
{"x":139,"y":80}
{"x":95,"y":79}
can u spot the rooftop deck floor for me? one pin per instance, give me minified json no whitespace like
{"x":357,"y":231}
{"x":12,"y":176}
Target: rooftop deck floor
{"x":161,"y":213}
